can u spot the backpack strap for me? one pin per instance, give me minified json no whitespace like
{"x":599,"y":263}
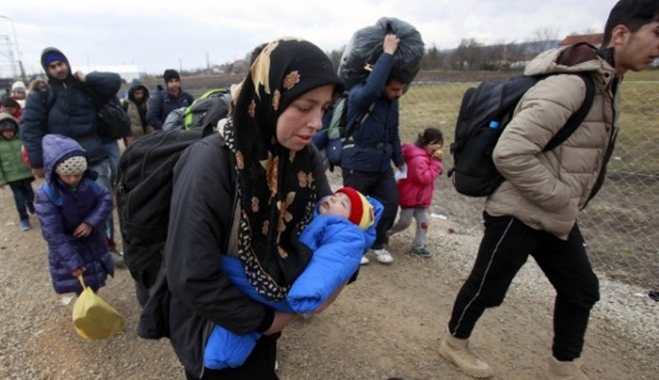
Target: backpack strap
{"x":44,"y":95}
{"x":57,"y":200}
{"x":358,"y":121}
{"x":578,"y":117}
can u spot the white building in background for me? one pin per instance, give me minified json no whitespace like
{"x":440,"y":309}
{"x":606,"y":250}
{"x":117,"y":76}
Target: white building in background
{"x":127,"y":72}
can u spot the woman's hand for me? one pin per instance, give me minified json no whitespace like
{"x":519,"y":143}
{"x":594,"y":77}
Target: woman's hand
{"x":83,"y":230}
{"x":280,"y":321}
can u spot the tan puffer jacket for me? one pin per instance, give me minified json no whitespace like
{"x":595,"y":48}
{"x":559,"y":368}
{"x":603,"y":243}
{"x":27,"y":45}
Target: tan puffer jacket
{"x":136,"y":128}
{"x":547,"y":190}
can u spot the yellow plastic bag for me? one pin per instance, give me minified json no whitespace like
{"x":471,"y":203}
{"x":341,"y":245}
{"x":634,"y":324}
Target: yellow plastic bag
{"x":93,"y":318}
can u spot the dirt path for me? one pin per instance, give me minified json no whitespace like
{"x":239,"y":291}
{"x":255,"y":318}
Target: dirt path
{"x":386,"y":325}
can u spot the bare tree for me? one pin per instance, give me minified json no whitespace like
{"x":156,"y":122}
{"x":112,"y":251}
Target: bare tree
{"x":431,"y":59}
{"x":469,"y":55}
{"x":544,"y":38}
{"x":590,"y":31}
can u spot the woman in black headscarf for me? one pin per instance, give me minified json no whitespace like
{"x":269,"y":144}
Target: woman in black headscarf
{"x":248,"y":193}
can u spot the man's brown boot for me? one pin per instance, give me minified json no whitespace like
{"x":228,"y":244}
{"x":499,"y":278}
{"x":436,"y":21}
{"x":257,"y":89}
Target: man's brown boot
{"x":564,"y":371}
{"x":457,"y":351}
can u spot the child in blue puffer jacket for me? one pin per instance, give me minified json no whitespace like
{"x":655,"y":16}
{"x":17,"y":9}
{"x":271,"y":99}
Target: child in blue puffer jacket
{"x":73,"y":209}
{"x":342,"y":230}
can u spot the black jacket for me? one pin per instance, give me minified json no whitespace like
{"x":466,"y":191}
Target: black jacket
{"x":184,"y":308}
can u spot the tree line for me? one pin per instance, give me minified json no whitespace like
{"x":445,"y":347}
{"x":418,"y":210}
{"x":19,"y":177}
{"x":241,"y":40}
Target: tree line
{"x":472,"y":55}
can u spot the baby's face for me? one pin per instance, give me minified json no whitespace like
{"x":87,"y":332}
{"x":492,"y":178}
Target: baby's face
{"x":337,"y":204}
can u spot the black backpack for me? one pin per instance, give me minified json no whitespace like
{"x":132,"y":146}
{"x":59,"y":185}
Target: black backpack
{"x":144,"y":190}
{"x":209,"y":108}
{"x":484,"y":113}
{"x":112,"y":121}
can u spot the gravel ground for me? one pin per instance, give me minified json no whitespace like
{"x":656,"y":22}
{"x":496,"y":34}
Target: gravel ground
{"x":388,"y":324}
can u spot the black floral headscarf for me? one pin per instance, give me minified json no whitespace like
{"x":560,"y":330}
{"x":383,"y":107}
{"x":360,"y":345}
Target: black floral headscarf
{"x":276,"y":186}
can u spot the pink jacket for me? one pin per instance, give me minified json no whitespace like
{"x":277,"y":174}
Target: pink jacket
{"x":422,"y":170}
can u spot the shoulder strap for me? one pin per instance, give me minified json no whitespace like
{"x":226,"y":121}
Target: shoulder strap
{"x":44,"y":94}
{"x":359,"y":121}
{"x":57,"y":201}
{"x":578,"y":117}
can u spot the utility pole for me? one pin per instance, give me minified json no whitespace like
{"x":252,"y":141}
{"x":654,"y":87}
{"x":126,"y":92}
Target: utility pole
{"x":18,"y":50}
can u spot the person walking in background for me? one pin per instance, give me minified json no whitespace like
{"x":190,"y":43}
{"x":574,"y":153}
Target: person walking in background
{"x":534,"y":211}
{"x":424,"y":165}
{"x":13,"y":171}
{"x":11,"y":106}
{"x":64,"y":106}
{"x":72,"y":209}
{"x":136,"y":107}
{"x":366,"y":166}
{"x":263,"y":164}
{"x":34,"y":84}
{"x":166,"y":101}
{"x":19,"y":92}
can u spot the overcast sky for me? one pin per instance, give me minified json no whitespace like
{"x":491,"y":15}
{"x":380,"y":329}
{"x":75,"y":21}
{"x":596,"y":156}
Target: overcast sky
{"x":159,"y":34}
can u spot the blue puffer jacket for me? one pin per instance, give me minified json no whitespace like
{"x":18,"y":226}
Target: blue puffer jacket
{"x":377,"y":142}
{"x":163,"y":103}
{"x":338,"y":246}
{"x":63,"y":107}
{"x":61,"y":215}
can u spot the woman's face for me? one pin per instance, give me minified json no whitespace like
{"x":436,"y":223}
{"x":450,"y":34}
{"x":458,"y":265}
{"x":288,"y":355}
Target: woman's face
{"x":303,"y":118}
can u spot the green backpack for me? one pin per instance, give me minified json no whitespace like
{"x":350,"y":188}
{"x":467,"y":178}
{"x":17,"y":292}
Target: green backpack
{"x":210,"y":107}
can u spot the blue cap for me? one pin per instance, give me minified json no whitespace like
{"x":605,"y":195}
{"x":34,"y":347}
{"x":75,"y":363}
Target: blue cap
{"x":52,"y":57}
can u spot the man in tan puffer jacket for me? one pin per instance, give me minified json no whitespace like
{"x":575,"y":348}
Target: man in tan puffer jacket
{"x":534,"y":212}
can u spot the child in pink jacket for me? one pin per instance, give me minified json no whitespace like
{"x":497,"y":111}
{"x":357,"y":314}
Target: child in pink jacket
{"x":424,"y":165}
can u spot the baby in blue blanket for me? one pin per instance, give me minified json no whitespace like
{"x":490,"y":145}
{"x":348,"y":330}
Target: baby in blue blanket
{"x":341,"y":232}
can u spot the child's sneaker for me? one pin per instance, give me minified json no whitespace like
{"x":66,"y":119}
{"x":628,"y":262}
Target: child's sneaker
{"x":364,"y":260}
{"x":421,"y":251}
{"x":382,"y":256}
{"x":25,"y":225}
{"x":30,"y":208}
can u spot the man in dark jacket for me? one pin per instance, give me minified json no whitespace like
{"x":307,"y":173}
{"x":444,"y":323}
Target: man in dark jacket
{"x":167,"y":101}
{"x":64,"y":106}
{"x":366,"y":165}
